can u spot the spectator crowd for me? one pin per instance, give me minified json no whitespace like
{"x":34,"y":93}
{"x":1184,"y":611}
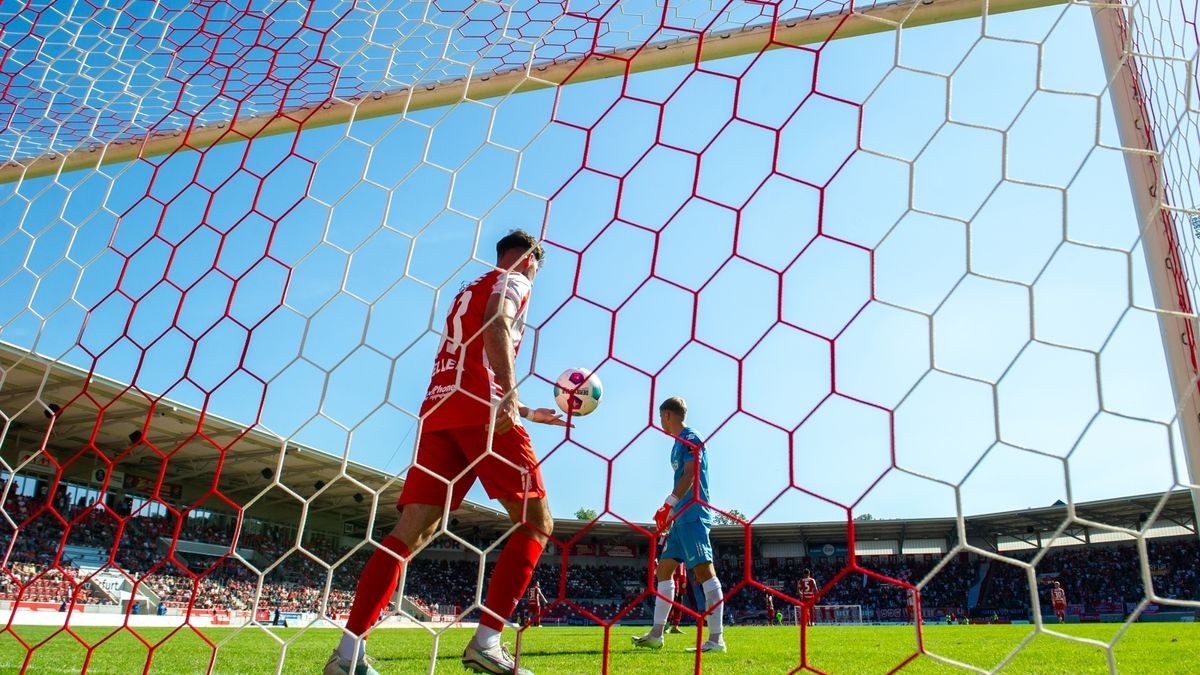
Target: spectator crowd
{"x":270,"y":571}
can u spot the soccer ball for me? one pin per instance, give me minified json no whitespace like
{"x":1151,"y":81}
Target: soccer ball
{"x":577,"y":391}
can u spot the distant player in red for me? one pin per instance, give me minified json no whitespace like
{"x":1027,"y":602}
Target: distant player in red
{"x":681,"y":591}
{"x":911,"y":605}
{"x":1058,"y":597}
{"x":470,"y":429}
{"x":806,"y":590}
{"x":770,"y":610}
{"x":533,"y":604}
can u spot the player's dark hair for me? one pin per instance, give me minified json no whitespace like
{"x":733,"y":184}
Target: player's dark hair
{"x":676,"y":405}
{"x":807,"y":573}
{"x":522,"y":241}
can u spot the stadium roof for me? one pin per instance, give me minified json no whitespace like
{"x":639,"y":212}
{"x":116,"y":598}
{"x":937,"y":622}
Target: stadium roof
{"x":1133,"y":513}
{"x":197,"y":445}
{"x":108,"y":418}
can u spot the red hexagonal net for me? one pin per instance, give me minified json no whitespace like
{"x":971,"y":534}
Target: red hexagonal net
{"x":212,"y":348}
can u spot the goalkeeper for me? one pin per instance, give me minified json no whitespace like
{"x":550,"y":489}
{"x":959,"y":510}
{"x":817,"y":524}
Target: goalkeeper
{"x":686,"y":517}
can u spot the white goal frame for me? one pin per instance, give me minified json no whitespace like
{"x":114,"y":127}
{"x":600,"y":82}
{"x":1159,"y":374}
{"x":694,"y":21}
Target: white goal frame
{"x":535,"y":75}
{"x":1143,"y":163}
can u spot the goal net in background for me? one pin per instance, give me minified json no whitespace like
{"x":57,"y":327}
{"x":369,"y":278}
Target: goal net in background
{"x":835,"y":615}
{"x":901,"y":259}
{"x":838,"y":614}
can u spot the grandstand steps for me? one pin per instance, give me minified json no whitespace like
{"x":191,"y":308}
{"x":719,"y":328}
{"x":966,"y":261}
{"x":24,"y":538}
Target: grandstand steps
{"x":194,"y":548}
{"x":102,"y":590}
{"x":408,"y":607}
{"x":87,"y":558}
{"x":118,"y":589}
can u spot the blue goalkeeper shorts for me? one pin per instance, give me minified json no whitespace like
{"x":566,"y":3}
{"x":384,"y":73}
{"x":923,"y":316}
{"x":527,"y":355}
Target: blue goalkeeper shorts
{"x":688,"y":543}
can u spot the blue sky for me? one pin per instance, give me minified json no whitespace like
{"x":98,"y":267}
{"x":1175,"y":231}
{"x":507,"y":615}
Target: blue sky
{"x":399,"y":212}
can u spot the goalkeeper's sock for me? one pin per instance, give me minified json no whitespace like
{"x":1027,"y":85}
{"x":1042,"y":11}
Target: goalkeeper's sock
{"x":662,"y":606}
{"x":376,"y":587}
{"x":712,"y":598}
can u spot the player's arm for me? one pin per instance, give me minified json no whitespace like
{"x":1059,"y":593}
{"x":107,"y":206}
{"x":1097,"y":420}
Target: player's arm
{"x":677,"y":493}
{"x":684,"y":484}
{"x":497,"y":344}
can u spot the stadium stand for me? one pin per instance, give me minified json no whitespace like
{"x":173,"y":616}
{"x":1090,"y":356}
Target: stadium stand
{"x":125,"y":526}
{"x":1099,"y":578}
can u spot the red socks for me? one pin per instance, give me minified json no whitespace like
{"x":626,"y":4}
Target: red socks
{"x":381,"y":575}
{"x":377,"y":584}
{"x":511,"y":577}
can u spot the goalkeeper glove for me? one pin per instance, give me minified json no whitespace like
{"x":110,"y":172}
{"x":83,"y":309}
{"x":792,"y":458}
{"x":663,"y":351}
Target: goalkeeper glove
{"x":664,"y":512}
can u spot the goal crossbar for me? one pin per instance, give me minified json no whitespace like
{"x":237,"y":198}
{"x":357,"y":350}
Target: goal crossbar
{"x":652,"y":56}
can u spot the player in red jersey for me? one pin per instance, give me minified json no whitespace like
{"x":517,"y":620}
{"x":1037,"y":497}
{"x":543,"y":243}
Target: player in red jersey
{"x":681,"y":590}
{"x":470,"y":429}
{"x":806,"y":590}
{"x":910,"y":605}
{"x":770,"y":610}
{"x":1058,"y":597}
{"x":533,"y":604}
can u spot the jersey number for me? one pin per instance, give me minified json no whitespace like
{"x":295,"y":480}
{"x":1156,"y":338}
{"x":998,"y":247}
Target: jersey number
{"x":453,"y":338}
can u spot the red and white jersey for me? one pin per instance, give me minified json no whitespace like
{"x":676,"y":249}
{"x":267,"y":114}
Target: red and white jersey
{"x":463,"y":384}
{"x":770,"y":605}
{"x":912,"y":597}
{"x":807,"y":588}
{"x":1058,"y":596}
{"x":534,"y":595}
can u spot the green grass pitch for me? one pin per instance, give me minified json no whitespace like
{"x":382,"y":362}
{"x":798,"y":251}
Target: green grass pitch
{"x":1145,"y":648}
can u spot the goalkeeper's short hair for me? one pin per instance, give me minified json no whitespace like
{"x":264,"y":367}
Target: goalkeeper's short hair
{"x":676,"y":405}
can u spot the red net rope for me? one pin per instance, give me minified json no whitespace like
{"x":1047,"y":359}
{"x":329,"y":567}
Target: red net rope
{"x":189,"y":277}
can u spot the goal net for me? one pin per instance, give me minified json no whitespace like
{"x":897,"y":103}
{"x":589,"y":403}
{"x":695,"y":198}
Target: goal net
{"x":904,"y":260}
{"x":834,"y":615}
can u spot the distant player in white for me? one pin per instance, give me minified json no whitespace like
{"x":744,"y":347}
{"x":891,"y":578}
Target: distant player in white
{"x":686,"y":517}
{"x":534,"y":598}
{"x":1058,"y":597}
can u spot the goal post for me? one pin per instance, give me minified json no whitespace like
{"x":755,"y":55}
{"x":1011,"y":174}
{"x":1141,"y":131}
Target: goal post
{"x":1160,"y":222}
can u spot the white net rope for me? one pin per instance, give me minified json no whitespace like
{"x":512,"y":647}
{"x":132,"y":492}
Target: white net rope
{"x":906,"y":269}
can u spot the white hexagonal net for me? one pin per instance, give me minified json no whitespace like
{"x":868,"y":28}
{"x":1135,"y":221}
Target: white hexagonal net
{"x":904,"y":261}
